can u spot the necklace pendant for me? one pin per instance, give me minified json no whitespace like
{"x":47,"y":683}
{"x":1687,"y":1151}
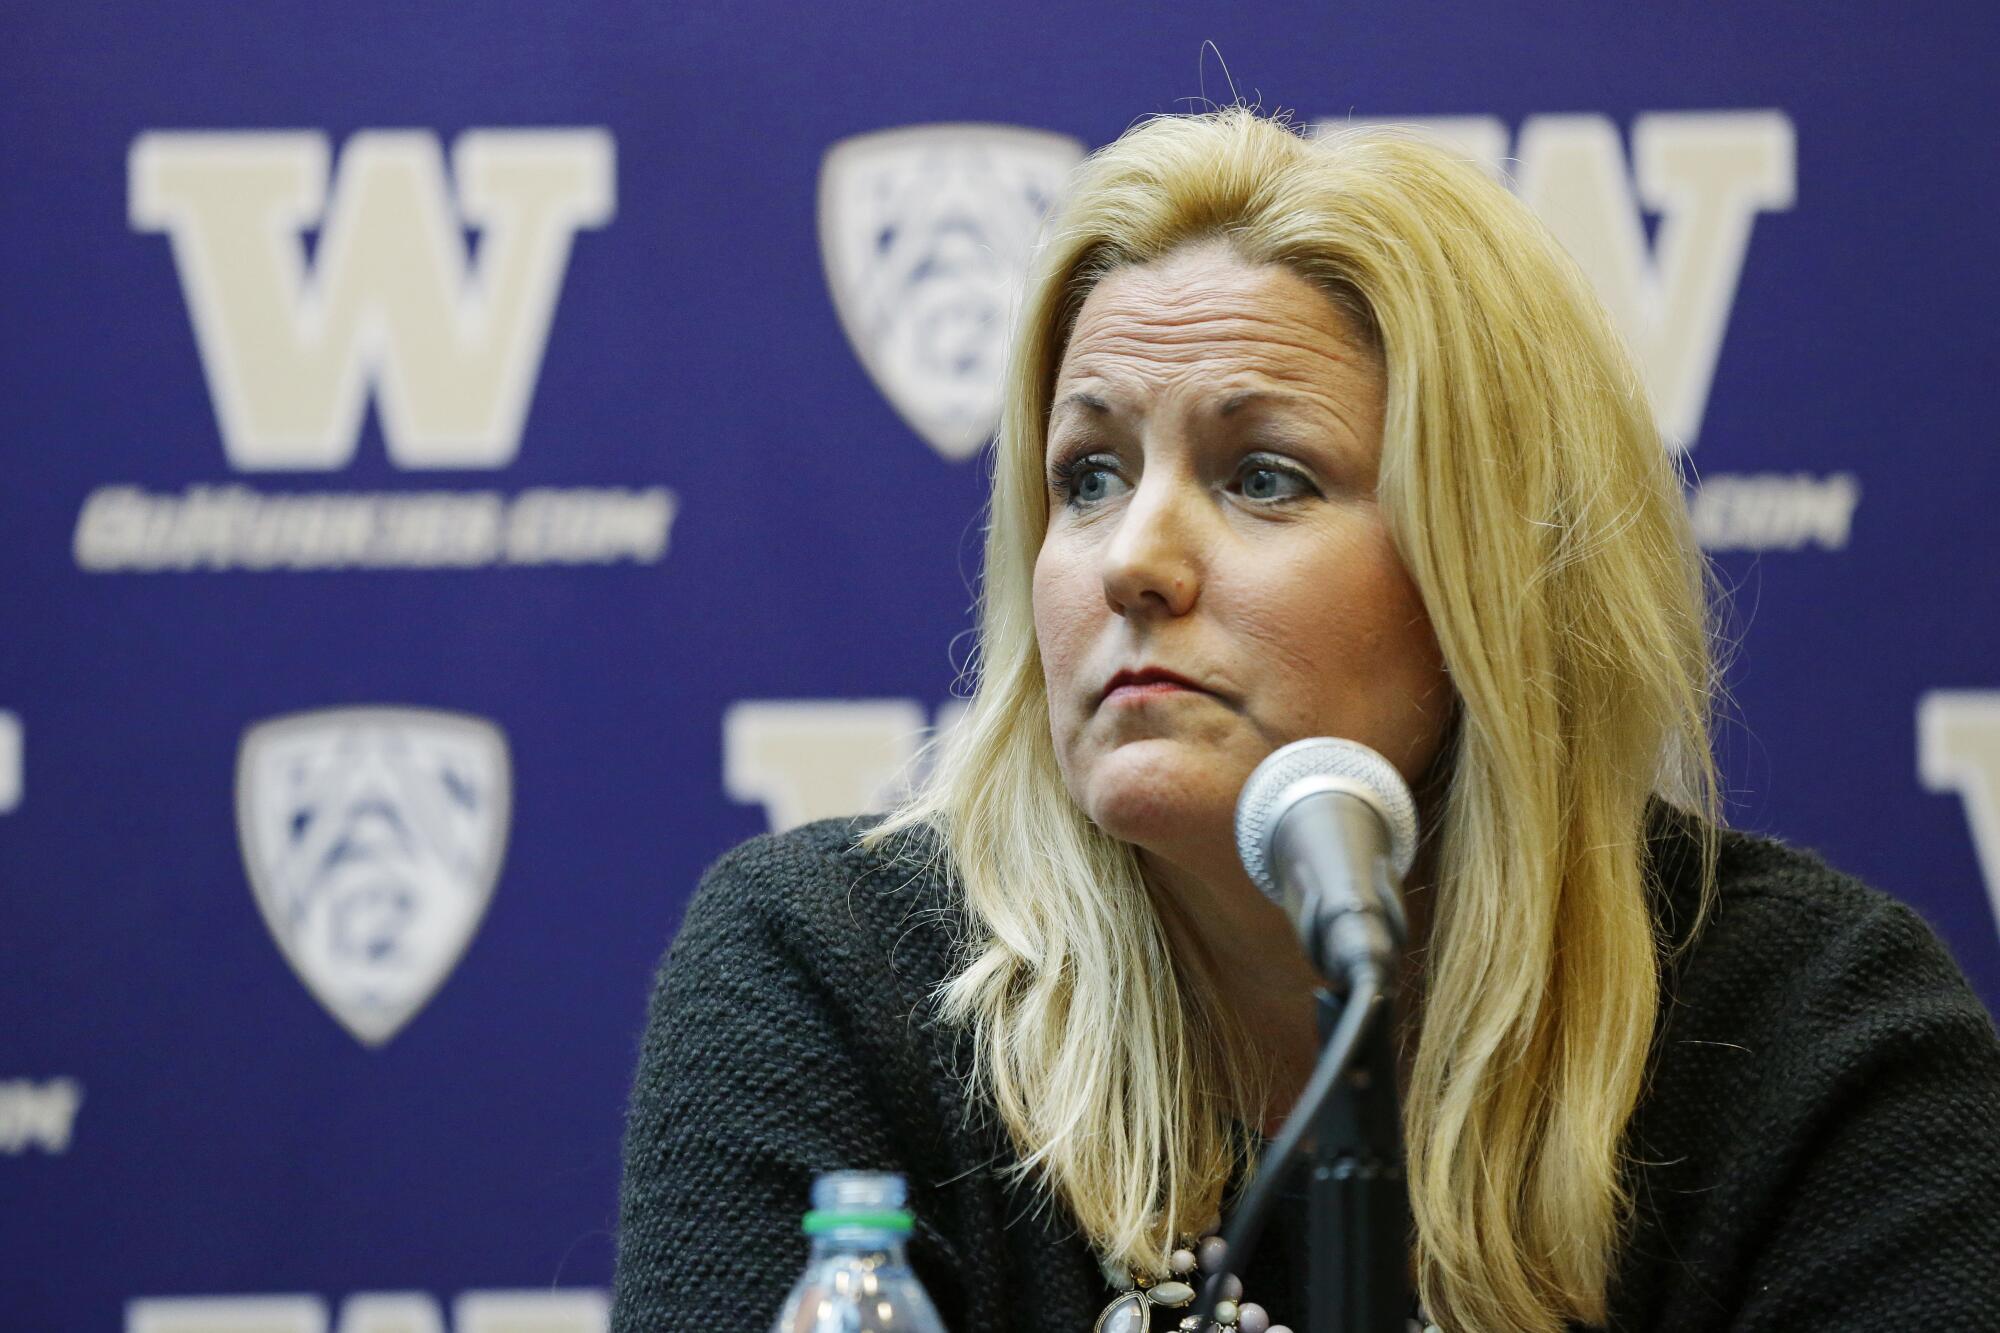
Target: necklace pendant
{"x":1130,"y":1313}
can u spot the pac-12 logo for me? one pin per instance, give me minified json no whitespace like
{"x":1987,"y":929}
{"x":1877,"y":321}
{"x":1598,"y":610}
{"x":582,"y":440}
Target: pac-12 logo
{"x":925,"y":234}
{"x":373,"y":838}
{"x":451,"y":344}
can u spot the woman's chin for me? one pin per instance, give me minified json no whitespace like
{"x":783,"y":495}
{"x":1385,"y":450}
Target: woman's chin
{"x":1149,"y":794}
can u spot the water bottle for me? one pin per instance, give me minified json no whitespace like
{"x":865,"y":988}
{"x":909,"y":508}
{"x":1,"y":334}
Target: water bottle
{"x":858,"y":1280}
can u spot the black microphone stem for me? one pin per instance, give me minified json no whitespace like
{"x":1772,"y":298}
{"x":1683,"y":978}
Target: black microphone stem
{"x":1359,"y":1206}
{"x":1344,"y":1025}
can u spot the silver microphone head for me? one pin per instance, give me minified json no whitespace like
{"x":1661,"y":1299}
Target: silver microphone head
{"x":1316,"y":765}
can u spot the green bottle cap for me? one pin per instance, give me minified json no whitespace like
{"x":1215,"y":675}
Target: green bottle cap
{"x":819,"y":1222}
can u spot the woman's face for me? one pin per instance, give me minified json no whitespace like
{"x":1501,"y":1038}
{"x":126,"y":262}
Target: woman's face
{"x":1216,"y":579}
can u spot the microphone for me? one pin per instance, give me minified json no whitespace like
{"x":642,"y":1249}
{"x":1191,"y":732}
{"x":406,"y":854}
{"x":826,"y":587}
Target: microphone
{"x":1327,"y":830}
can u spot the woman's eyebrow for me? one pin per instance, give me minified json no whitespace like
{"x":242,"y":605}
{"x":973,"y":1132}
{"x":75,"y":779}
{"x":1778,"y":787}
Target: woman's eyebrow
{"x":1082,"y":398}
{"x":1259,"y":397}
{"x":1098,"y":406}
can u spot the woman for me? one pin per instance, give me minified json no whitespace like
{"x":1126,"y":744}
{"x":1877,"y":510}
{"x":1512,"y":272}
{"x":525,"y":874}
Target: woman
{"x":1322,"y":438}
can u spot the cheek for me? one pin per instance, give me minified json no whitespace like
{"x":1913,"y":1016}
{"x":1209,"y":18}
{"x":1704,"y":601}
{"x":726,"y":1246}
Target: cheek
{"x":1400,"y":693}
{"x":1348,"y":651}
{"x":1064,"y":621}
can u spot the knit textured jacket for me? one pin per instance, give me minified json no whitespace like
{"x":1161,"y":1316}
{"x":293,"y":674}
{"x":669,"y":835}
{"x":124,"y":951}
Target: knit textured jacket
{"x":1818,"y":1147}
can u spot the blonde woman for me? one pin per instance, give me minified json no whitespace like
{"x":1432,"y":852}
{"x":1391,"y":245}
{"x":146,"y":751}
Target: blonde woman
{"x":1310,"y":438}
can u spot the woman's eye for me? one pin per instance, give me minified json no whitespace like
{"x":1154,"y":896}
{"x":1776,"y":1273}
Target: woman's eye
{"x":1261,"y":481}
{"x":1089,"y":480}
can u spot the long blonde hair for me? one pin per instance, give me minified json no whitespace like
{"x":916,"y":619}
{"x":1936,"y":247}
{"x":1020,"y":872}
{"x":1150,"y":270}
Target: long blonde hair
{"x":1540,"y":516}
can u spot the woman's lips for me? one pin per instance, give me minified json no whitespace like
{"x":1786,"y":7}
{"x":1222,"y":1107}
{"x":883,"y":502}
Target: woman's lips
{"x":1135,"y":687}
{"x":1132,"y":694}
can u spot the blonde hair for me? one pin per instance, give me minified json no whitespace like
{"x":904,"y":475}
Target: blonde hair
{"x":1535,"y":507}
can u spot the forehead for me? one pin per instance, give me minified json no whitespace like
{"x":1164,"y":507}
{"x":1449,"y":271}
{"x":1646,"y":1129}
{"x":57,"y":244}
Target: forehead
{"x":1205,"y":318}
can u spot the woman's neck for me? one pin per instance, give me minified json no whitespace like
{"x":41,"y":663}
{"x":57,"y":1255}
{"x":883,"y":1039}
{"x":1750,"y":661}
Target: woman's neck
{"x":1244,"y":948}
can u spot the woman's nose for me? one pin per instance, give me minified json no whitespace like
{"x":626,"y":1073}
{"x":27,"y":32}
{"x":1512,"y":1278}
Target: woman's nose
{"x":1150,"y":564}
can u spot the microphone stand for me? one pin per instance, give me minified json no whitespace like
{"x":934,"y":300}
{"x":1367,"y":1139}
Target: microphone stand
{"x":1358,"y":1205}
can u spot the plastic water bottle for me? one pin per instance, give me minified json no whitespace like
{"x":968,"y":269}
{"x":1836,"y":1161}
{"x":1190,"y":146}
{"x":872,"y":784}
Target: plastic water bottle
{"x":858,"y":1279}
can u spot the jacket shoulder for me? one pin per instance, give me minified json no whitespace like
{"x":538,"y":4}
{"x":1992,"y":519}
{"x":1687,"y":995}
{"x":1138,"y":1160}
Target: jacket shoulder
{"x":1796,"y":915}
{"x":1821,"y":1125}
{"x":825,"y":896}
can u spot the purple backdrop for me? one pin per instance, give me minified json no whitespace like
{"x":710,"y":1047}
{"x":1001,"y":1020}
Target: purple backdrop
{"x":466,"y":469}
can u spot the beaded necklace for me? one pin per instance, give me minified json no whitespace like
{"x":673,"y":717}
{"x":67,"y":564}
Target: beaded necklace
{"x":1132,"y":1311}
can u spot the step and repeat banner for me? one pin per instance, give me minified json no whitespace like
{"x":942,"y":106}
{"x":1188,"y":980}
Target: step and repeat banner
{"x":466,"y":467}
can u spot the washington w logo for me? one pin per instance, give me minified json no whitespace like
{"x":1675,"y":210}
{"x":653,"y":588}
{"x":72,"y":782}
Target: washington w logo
{"x":1707,"y":174}
{"x":452,"y":343}
{"x":393,"y":301}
